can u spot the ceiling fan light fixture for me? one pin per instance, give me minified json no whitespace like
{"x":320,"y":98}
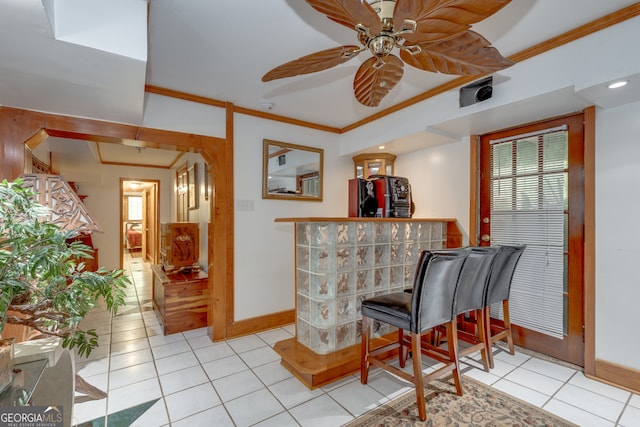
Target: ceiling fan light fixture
{"x":381,"y":45}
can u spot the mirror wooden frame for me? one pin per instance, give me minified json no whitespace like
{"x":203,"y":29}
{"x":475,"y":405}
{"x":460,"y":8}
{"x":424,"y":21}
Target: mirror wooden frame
{"x":287,"y":147}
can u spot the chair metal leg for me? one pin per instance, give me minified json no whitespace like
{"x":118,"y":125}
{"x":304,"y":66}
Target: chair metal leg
{"x":416,"y":357}
{"x":367,"y":325}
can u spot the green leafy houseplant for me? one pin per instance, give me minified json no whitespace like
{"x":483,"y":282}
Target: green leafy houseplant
{"x":43,"y":283}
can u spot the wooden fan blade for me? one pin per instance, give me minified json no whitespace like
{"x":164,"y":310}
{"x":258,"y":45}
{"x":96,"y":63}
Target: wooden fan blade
{"x":465,"y":53}
{"x":317,"y":61}
{"x":373,"y":83}
{"x":439,"y":19}
{"x":349,"y":13}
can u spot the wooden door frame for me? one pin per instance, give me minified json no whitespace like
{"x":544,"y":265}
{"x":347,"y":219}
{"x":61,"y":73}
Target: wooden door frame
{"x":19,"y":127}
{"x":150,"y":219}
{"x":155,"y":219}
{"x":589,"y":228}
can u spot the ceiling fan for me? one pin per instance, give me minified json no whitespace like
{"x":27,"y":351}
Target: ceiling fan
{"x":431,"y":35}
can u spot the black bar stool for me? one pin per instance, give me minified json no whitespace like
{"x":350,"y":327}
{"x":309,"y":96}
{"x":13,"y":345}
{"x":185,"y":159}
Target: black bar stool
{"x":431,"y":303}
{"x":498,"y":291}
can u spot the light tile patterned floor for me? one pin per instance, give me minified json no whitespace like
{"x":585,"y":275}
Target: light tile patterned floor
{"x":184,"y":379}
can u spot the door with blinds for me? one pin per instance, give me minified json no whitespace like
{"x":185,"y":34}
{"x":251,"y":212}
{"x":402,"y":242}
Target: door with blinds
{"x":532,"y":192}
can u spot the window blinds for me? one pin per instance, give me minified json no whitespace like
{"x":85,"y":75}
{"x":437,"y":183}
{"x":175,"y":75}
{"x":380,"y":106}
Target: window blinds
{"x":529,"y":206}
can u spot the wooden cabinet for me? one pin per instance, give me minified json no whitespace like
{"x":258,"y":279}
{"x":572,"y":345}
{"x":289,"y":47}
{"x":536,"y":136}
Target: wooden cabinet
{"x":368,"y":164}
{"x":179,"y":246}
{"x":181,"y":299}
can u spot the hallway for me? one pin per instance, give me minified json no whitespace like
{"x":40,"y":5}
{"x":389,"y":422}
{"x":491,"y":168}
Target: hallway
{"x":184,"y":379}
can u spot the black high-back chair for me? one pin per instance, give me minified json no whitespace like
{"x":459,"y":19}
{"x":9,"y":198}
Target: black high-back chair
{"x":431,"y":303}
{"x":498,"y":291}
{"x":472,"y":291}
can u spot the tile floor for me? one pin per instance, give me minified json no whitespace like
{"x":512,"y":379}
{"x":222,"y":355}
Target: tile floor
{"x":184,"y":379}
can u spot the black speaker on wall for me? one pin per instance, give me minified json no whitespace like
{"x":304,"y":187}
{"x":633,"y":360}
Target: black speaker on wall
{"x":476,"y":92}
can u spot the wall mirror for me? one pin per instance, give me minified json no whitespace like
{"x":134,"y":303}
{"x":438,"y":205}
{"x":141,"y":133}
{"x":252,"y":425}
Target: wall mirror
{"x":291,"y":172}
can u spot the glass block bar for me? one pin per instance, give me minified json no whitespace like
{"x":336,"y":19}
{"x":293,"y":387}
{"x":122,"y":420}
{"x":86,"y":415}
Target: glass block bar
{"x":340,"y":264}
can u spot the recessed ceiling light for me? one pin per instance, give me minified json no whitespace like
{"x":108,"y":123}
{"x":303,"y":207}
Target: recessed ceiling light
{"x":618,"y":84}
{"x":381,"y":147}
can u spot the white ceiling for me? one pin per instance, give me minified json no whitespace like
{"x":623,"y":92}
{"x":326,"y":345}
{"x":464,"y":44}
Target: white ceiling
{"x":94,"y":64}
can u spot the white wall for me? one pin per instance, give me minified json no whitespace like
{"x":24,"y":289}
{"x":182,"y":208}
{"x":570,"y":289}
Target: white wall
{"x":617,"y":234}
{"x":161,"y":112}
{"x":103,"y":203}
{"x":439,"y":179}
{"x":264,"y":249}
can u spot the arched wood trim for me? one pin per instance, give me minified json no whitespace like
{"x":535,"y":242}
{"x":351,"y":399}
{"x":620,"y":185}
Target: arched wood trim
{"x":221,"y":244}
{"x":19,"y":126}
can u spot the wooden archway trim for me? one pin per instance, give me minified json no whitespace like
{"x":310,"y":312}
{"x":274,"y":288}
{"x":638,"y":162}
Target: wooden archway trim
{"x":19,"y":126}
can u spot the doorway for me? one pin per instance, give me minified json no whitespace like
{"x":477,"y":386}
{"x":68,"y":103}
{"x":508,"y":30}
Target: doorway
{"x":18,"y":127}
{"x":139,"y":219}
{"x":532,"y":192}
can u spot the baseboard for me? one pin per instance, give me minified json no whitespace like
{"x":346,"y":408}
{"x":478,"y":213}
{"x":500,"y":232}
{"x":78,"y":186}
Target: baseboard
{"x":617,"y":375}
{"x":261,"y":323}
